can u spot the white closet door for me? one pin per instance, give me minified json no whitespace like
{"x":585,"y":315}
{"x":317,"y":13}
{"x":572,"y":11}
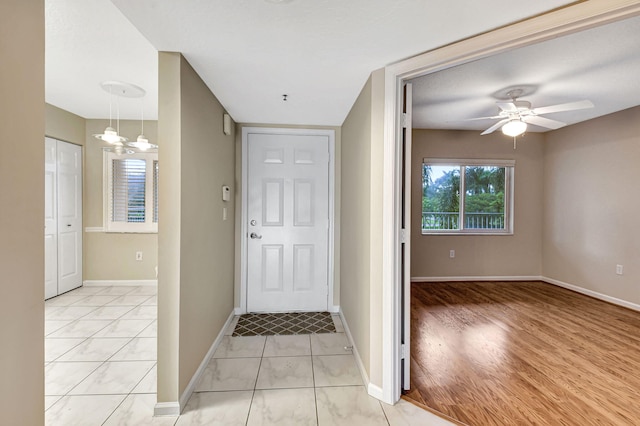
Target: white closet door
{"x":62,"y":217}
{"x":69,"y":216}
{"x":50,"y":220}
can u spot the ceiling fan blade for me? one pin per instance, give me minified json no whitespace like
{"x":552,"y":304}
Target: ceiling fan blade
{"x":563,"y":107}
{"x":495,"y":127}
{"x":482,"y":118}
{"x":543,"y":122}
{"x":507,"y":106}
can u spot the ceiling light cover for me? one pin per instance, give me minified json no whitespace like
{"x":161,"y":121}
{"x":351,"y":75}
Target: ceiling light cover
{"x":142,"y":143}
{"x":111,"y":136}
{"x":514,"y":128}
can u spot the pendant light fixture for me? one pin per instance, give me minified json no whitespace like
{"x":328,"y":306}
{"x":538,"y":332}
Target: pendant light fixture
{"x":142,"y":143}
{"x":111,"y":135}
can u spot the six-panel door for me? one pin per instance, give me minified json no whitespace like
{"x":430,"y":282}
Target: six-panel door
{"x":288,"y":221}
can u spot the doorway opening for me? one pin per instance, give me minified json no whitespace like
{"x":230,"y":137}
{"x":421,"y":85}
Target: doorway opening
{"x":561,"y":22}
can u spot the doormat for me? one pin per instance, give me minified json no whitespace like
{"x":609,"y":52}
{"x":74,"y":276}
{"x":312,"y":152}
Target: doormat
{"x":283,"y":324}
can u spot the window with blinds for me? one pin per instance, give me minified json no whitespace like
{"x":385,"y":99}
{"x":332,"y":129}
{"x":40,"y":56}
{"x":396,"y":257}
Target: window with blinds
{"x":131,"y":192}
{"x":128,"y":190}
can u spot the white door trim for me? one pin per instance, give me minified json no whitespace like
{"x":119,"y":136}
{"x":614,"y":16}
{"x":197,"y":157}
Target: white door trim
{"x":244,"y":204}
{"x":560,"y":22}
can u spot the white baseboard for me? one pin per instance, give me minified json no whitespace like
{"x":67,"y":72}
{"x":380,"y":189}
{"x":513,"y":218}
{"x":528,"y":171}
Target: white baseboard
{"x":594,"y":294}
{"x":573,"y":287}
{"x":184,"y":398}
{"x":166,"y":409}
{"x":477,"y":278}
{"x":373,"y":390}
{"x":119,"y":283}
{"x":332,"y":309}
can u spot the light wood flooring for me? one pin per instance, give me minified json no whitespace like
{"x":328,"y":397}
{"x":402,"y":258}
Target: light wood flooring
{"x":523,"y":353}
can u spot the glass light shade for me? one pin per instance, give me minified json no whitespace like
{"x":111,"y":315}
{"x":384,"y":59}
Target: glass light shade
{"x":110,"y":136}
{"x":514,"y":128}
{"x":142,"y":143}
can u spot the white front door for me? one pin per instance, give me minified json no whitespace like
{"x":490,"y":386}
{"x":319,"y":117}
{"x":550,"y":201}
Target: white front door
{"x":69,"y":167}
{"x":287,"y":222}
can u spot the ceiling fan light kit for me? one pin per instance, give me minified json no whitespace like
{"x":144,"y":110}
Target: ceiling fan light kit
{"x":514,"y":128}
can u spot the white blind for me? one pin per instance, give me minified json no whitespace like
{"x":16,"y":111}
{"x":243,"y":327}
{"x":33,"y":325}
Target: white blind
{"x":128,"y":190}
{"x":155,"y":191}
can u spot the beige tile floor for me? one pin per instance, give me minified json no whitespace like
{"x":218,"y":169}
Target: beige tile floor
{"x":100,"y":369}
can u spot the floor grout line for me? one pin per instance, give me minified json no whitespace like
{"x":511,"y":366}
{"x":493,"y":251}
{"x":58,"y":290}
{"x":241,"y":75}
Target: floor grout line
{"x":280,"y":351}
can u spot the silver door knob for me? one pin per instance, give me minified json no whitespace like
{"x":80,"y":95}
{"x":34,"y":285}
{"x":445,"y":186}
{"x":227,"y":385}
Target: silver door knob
{"x":255,"y":236}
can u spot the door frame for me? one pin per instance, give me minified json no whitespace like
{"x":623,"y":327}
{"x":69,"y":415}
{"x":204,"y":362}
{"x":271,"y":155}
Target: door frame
{"x":246,"y":131}
{"x":570,"y":19}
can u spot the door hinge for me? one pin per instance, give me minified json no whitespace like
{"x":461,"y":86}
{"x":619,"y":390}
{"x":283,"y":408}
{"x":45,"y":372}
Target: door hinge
{"x":404,"y":120}
{"x":403,"y":235}
{"x":403,"y":351}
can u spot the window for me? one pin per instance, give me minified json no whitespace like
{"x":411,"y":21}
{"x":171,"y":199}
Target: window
{"x":131,"y":192}
{"x":467,"y":196}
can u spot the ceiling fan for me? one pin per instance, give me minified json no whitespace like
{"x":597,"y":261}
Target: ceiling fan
{"x":515,"y":115}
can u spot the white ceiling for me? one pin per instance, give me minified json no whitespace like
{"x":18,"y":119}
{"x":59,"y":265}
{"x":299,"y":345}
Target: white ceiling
{"x":88,"y":42}
{"x":601,"y":64}
{"x":251,"y":52}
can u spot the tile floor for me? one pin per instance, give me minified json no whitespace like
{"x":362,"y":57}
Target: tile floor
{"x":100,"y":369}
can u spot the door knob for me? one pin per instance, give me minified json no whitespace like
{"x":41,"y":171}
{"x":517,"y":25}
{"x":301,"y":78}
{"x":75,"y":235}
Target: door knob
{"x":255,"y":236}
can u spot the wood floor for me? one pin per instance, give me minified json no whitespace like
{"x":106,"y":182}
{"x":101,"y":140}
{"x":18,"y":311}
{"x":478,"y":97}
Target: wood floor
{"x":523,"y":353}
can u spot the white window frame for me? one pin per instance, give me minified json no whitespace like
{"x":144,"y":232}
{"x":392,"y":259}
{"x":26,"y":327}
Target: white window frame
{"x":149,"y":226}
{"x":509,"y":166}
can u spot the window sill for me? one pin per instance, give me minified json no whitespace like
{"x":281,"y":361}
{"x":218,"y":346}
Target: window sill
{"x":476,"y":233}
{"x":130,"y":232}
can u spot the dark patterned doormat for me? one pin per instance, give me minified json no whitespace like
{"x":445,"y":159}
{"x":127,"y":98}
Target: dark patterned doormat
{"x":287,"y":323}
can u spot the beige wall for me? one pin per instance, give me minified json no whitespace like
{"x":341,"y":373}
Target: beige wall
{"x":111,"y":256}
{"x":206,"y":281}
{"x":519,"y":254}
{"x":361,"y":222}
{"x":63,"y":125}
{"x":376,"y":225}
{"x":196,"y":247}
{"x":591,"y":205}
{"x":169,"y":209}
{"x":22,"y":200}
